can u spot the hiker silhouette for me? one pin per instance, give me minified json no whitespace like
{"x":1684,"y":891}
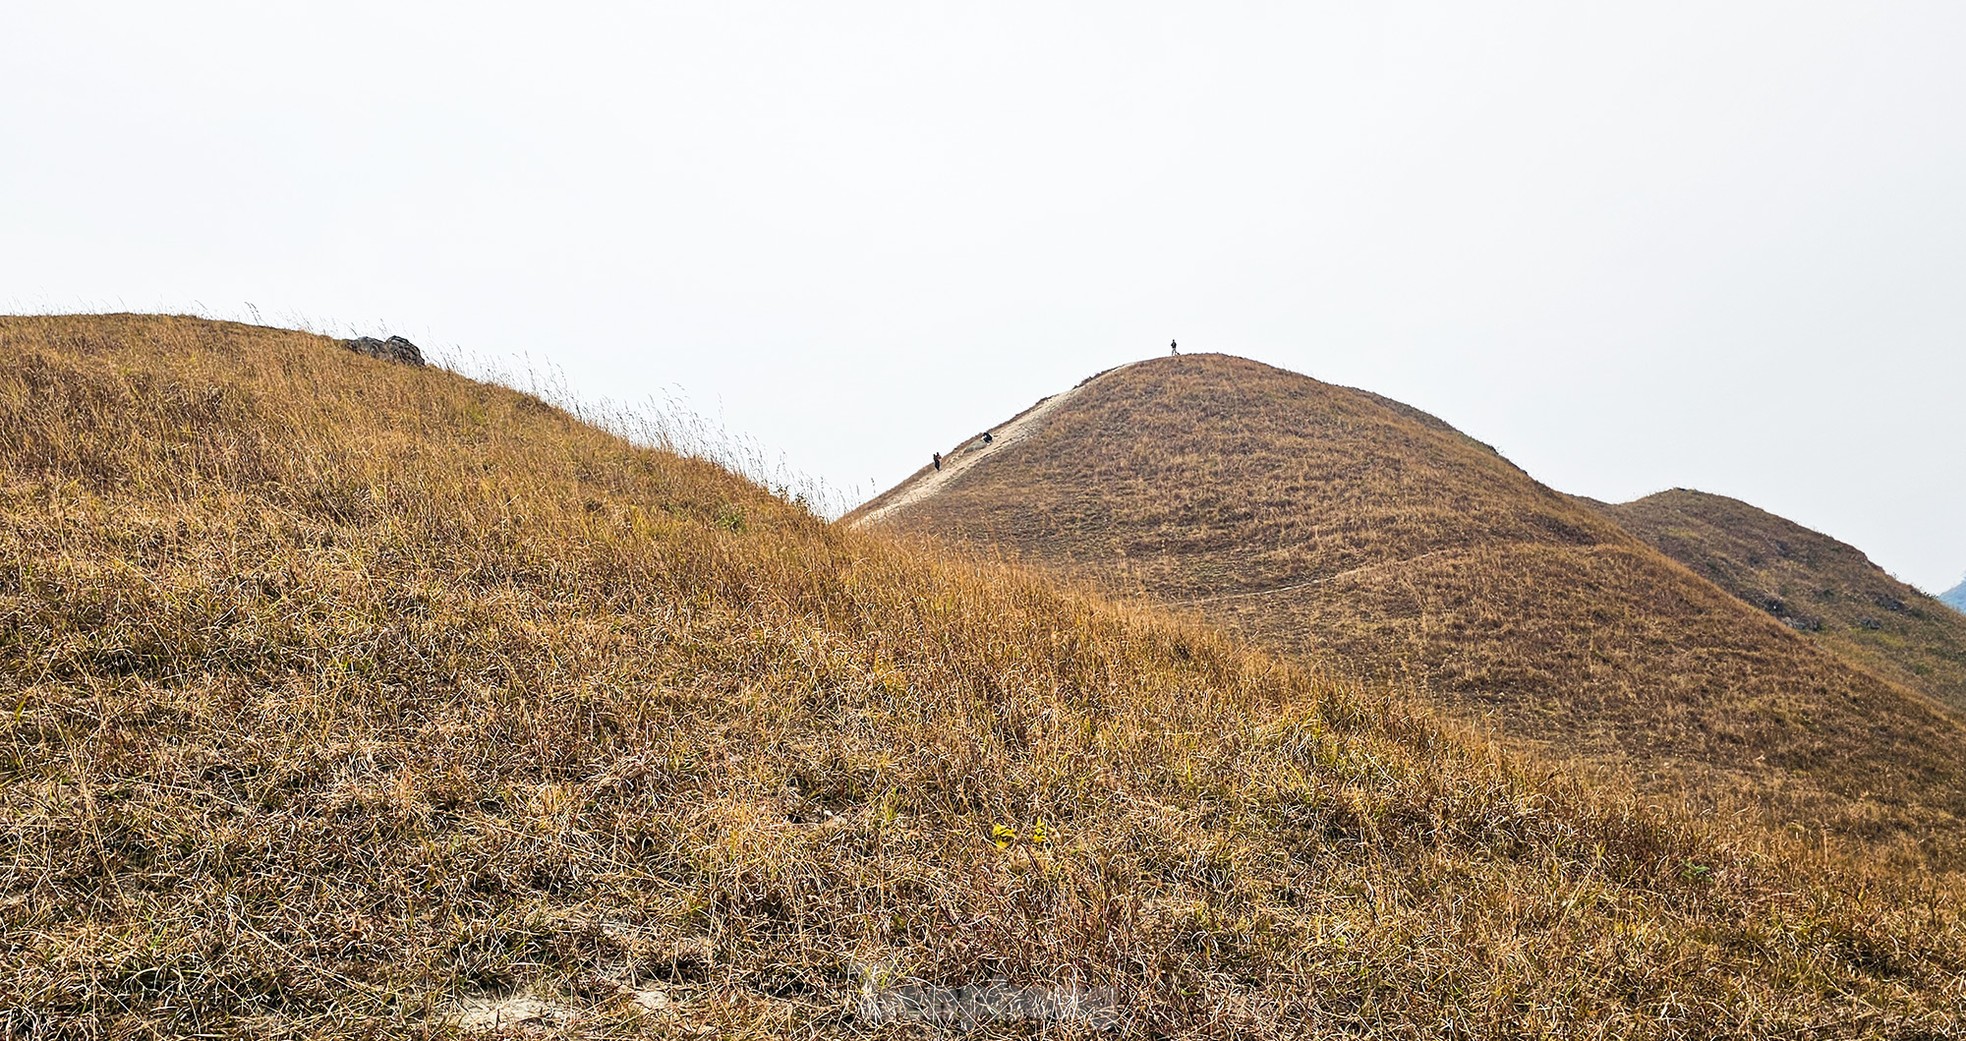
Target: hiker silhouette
{"x":938,"y":460}
{"x":1173,"y":348}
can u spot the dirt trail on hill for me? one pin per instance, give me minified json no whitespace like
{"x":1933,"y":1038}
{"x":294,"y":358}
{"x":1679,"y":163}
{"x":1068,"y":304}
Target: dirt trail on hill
{"x":967,"y":454}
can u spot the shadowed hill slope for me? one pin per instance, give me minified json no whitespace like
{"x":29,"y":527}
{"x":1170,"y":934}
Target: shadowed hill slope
{"x":348,"y":699}
{"x":1334,"y":522}
{"x":1821,"y":587}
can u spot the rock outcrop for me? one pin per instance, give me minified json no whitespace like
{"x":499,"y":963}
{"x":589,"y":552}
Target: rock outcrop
{"x":393,"y":349}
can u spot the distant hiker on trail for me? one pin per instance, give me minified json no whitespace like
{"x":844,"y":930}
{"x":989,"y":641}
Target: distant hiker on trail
{"x":1173,"y":348}
{"x":938,"y":460}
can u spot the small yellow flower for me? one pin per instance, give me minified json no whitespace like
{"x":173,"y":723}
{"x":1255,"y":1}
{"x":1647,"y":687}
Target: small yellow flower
{"x":1003,"y":835}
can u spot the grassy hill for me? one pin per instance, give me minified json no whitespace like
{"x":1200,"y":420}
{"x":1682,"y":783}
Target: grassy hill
{"x":1337,"y":524}
{"x":1815,"y":584}
{"x":351,"y":699}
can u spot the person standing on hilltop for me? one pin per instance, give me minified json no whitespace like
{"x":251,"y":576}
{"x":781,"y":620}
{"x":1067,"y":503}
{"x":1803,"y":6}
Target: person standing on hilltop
{"x":1173,"y":348}
{"x":938,"y":460}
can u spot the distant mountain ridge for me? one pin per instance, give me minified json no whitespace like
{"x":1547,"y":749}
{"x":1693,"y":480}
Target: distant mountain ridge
{"x":1333,"y":523}
{"x":1956,"y":598}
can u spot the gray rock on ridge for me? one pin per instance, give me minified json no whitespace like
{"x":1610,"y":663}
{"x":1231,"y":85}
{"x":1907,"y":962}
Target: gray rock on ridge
{"x":393,"y":349}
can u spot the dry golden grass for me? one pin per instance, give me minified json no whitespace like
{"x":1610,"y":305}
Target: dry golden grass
{"x":342,"y":695}
{"x":1334,"y":523}
{"x":1816,"y":585}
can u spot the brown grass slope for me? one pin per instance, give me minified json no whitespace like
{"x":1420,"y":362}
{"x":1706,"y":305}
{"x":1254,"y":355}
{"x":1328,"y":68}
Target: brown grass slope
{"x":340,"y":695}
{"x":1826,"y":589}
{"x":1334,"y":522}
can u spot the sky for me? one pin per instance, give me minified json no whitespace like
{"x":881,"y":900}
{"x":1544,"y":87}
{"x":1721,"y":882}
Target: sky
{"x":1635,"y":246}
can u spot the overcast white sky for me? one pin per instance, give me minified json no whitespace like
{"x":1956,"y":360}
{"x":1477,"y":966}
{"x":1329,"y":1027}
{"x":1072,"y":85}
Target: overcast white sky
{"x":1718,"y":245}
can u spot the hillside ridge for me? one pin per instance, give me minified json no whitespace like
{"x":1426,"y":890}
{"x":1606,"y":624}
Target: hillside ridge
{"x":1823,"y":588}
{"x":1340,"y":526}
{"x":349,"y":699}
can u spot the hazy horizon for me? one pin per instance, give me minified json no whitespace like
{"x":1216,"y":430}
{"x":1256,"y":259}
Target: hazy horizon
{"x":1672,"y":246}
